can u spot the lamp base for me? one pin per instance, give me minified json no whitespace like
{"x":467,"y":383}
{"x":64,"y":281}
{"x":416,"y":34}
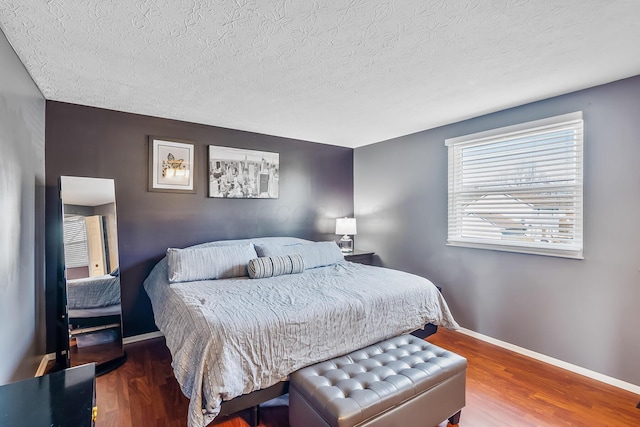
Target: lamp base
{"x":346,"y":244}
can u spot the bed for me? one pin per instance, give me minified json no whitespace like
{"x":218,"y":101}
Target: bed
{"x":94,"y":300}
{"x":234,"y":336}
{"x":93,"y":292}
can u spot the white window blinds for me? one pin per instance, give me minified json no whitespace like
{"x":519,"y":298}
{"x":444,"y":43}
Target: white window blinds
{"x":76,"y":253}
{"x":519,"y":188}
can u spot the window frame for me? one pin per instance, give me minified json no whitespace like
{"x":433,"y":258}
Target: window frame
{"x":514,"y":133}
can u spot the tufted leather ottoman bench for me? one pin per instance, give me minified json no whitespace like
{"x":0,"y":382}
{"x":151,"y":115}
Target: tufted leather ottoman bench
{"x":402,"y":381}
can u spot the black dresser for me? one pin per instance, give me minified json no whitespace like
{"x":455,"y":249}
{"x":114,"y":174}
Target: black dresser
{"x":61,"y":399}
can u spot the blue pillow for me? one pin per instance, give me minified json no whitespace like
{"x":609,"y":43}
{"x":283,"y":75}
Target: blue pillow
{"x":212,"y":262}
{"x":315,"y":254}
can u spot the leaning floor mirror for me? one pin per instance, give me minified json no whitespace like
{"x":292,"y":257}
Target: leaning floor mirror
{"x":91,"y":272}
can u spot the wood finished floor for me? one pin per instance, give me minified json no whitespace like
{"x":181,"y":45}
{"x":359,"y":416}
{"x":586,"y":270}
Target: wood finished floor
{"x":503,"y":389}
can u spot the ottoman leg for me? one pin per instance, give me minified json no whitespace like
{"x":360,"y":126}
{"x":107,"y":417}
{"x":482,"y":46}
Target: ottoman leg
{"x":454,"y":419}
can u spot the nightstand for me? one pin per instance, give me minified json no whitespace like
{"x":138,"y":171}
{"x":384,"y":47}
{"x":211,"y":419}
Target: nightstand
{"x":361,"y":257}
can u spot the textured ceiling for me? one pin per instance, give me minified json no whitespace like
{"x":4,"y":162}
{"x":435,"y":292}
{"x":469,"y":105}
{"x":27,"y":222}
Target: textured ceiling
{"x":348,"y":72}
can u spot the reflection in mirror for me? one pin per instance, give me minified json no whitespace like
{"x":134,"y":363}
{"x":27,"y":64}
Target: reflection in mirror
{"x":92,"y":272}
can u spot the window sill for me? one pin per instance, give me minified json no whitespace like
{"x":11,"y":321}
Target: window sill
{"x":519,"y":249}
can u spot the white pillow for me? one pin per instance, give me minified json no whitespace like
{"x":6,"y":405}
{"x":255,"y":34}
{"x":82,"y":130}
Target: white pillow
{"x":315,"y":254}
{"x":213,"y":262}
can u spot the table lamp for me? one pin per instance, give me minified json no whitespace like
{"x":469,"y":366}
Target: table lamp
{"x":346,"y":226}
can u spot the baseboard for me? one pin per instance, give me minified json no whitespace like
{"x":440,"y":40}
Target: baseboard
{"x":142,"y":337}
{"x":43,"y":364}
{"x":555,"y":362}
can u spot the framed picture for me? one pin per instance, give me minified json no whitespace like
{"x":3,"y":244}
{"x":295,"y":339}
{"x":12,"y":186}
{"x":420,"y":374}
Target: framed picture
{"x":243,"y":174}
{"x":171,"y":165}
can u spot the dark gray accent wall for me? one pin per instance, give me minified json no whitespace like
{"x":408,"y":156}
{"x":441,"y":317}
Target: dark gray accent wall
{"x":22,"y":116}
{"x":316,"y":186}
{"x":583,"y":312}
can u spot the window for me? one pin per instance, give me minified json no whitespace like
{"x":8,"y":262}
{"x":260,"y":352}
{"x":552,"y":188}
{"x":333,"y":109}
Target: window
{"x":75,"y":242}
{"x":518,"y":188}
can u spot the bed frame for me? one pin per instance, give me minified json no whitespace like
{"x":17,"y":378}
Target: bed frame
{"x":252,"y":401}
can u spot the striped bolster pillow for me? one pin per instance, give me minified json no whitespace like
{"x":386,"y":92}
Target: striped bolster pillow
{"x":260,"y":268}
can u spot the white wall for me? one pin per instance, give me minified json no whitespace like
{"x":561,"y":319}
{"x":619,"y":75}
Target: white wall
{"x":583,"y":312}
{"x":22,"y":128}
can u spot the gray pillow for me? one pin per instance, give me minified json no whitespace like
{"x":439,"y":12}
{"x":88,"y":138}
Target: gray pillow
{"x":315,"y":254}
{"x":205,"y":263}
{"x":259,"y":268}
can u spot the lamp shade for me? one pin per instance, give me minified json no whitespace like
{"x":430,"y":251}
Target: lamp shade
{"x":346,"y":226}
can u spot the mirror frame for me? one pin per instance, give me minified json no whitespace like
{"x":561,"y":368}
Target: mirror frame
{"x":96,"y":316}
